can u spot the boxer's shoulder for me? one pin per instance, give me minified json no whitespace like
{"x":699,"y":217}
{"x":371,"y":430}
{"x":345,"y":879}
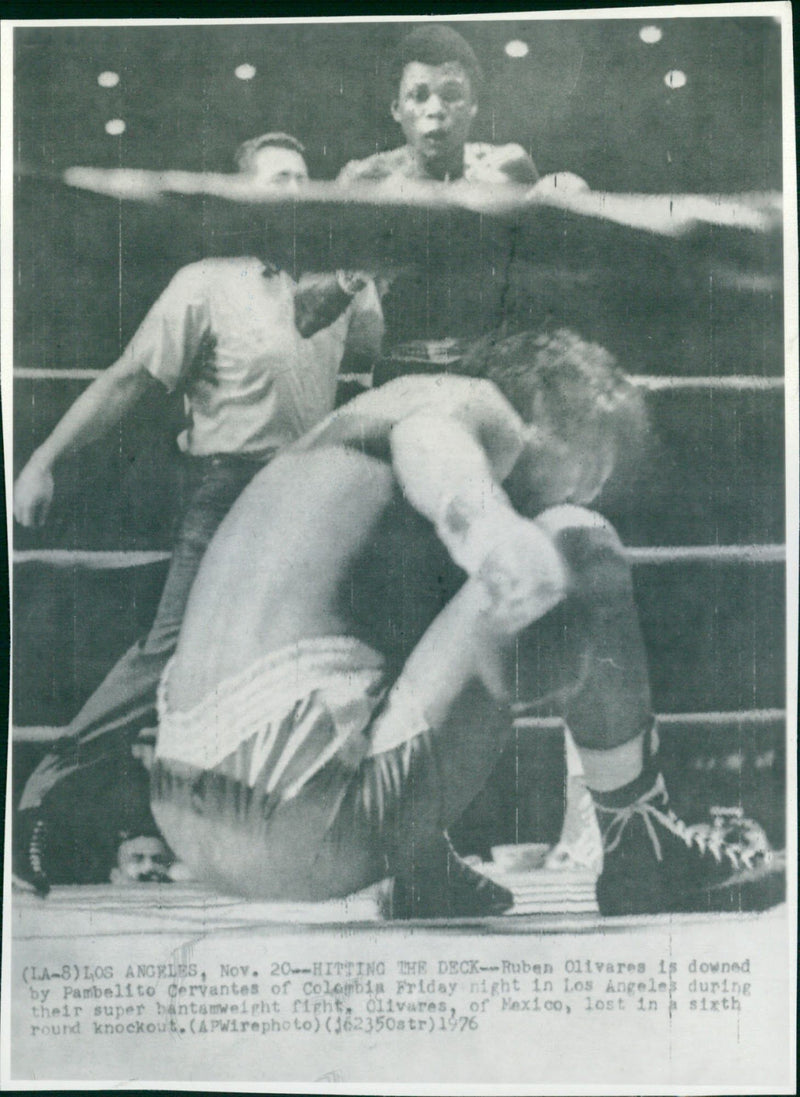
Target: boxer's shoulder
{"x":483,"y":163}
{"x":379,"y":166}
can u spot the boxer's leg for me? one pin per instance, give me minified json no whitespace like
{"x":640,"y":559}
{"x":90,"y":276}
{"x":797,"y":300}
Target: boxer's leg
{"x":653,"y":861}
{"x":464,"y":672}
{"x":444,"y":727}
{"x":313,"y":515}
{"x":608,"y":709}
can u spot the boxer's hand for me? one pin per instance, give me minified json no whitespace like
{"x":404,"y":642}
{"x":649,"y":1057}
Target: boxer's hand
{"x":33,"y":494}
{"x":523,"y":575}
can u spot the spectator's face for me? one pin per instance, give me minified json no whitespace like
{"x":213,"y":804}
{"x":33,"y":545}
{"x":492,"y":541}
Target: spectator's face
{"x":142,"y":860}
{"x":274,"y":166}
{"x":435,"y":108}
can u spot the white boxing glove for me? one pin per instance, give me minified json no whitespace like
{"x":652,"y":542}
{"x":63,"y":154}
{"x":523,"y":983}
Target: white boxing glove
{"x":511,"y":557}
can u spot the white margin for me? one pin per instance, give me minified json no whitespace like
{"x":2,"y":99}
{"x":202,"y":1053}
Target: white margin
{"x":778,"y":9}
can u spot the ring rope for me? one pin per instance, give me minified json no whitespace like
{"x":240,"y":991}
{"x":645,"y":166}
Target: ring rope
{"x":669,"y":719}
{"x":47,"y":734}
{"x":732,"y":382}
{"x":701,"y":554}
{"x":102,"y":560}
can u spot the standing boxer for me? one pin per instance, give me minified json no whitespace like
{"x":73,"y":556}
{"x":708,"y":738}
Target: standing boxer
{"x":438,"y":79}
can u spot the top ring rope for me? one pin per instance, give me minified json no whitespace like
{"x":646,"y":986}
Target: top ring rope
{"x":733,"y":382}
{"x":102,"y":560}
{"x":663,"y":214}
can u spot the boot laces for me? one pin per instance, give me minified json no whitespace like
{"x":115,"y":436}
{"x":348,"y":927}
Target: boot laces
{"x":704,"y":837}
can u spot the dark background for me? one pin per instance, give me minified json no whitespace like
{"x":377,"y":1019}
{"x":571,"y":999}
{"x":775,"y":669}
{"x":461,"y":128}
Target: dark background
{"x":589,"y":98}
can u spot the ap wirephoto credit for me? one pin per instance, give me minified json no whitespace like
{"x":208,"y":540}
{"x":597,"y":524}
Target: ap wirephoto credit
{"x":400,"y":422}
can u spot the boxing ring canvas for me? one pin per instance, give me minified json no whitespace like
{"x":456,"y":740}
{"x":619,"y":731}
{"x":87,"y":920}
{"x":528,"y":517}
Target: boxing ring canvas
{"x":668,"y":236}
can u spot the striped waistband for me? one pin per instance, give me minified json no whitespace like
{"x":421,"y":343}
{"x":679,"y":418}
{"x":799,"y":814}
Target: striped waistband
{"x":260,"y":697}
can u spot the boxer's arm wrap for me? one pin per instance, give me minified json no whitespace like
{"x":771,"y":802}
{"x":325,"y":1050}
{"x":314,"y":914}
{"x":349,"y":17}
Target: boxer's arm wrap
{"x":446,"y":476}
{"x":514,"y":558}
{"x":470,"y":528}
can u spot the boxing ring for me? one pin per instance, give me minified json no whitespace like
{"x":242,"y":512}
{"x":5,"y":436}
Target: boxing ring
{"x":710,"y":582}
{"x":353,"y":227}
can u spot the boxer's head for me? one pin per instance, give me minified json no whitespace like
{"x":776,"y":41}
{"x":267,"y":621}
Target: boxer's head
{"x":583,"y":413}
{"x":437,"y":81}
{"x":273,"y":158}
